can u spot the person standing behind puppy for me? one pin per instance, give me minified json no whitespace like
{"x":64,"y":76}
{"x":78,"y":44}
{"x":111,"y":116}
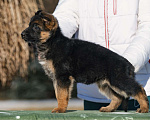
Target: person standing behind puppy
{"x":122,"y":26}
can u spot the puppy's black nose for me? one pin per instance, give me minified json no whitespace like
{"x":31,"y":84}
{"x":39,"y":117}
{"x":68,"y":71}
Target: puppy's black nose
{"x":23,"y":34}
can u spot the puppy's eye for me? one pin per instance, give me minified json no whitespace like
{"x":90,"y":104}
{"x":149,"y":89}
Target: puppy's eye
{"x":36,"y":28}
{"x":46,"y":23}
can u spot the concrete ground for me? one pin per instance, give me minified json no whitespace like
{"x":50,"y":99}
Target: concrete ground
{"x":49,"y":104}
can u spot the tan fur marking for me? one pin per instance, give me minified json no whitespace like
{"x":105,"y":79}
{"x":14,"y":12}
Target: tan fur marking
{"x":143,"y":101}
{"x":44,"y":36}
{"x":55,"y":87}
{"x":106,"y":89}
{"x":122,"y":93}
{"x":51,"y":66}
{"x":37,"y":21}
{"x":51,"y":25}
{"x":48,"y":67}
{"x":100,"y":84}
{"x":114,"y":104}
{"x":55,"y":24}
{"x":62,"y":95}
{"x":71,"y":86}
{"x":71,"y":78}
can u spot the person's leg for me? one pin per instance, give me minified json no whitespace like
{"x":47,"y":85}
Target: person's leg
{"x":93,"y":105}
{"x":149,"y":101}
{"x":133,"y":104}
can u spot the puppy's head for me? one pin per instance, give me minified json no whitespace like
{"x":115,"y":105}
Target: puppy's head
{"x":42,"y":26}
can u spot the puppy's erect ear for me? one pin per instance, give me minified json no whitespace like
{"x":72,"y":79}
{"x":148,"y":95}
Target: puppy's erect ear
{"x":38,"y":12}
{"x":49,"y":20}
{"x":51,"y":23}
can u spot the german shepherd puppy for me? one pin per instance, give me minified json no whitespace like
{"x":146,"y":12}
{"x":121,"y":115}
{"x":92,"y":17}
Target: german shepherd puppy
{"x":67,"y":60}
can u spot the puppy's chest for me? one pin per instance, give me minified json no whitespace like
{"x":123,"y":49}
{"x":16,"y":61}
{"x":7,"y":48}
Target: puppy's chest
{"x":47,"y":66}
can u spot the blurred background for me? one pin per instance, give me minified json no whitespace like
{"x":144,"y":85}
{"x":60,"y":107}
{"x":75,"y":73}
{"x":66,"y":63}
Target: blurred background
{"x":22,"y":79}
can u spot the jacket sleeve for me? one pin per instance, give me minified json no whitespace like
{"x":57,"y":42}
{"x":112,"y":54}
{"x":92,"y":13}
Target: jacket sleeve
{"x":138,"y":51}
{"x":66,"y":13}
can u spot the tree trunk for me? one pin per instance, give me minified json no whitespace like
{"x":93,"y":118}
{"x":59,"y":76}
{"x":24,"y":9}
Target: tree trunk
{"x":14,"y":52}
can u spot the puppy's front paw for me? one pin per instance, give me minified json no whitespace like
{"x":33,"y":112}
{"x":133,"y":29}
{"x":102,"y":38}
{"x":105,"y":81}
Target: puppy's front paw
{"x":59,"y":110}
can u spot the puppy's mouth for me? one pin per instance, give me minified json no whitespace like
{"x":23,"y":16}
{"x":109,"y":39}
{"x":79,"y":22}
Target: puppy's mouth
{"x":27,"y":38}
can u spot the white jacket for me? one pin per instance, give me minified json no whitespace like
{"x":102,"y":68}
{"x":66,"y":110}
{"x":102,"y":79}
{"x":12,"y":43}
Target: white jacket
{"x":122,"y":26}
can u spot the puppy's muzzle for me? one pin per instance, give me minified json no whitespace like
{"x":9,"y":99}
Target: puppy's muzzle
{"x":24,"y":35}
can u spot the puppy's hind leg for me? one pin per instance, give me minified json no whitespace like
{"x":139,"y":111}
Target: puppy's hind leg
{"x":143,"y":101}
{"x":116,"y":99}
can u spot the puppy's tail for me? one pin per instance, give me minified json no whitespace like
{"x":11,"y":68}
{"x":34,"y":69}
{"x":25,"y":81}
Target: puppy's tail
{"x":125,"y":104}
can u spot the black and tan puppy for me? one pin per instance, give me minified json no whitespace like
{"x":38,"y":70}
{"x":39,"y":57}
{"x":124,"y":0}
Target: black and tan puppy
{"x":67,"y":60}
